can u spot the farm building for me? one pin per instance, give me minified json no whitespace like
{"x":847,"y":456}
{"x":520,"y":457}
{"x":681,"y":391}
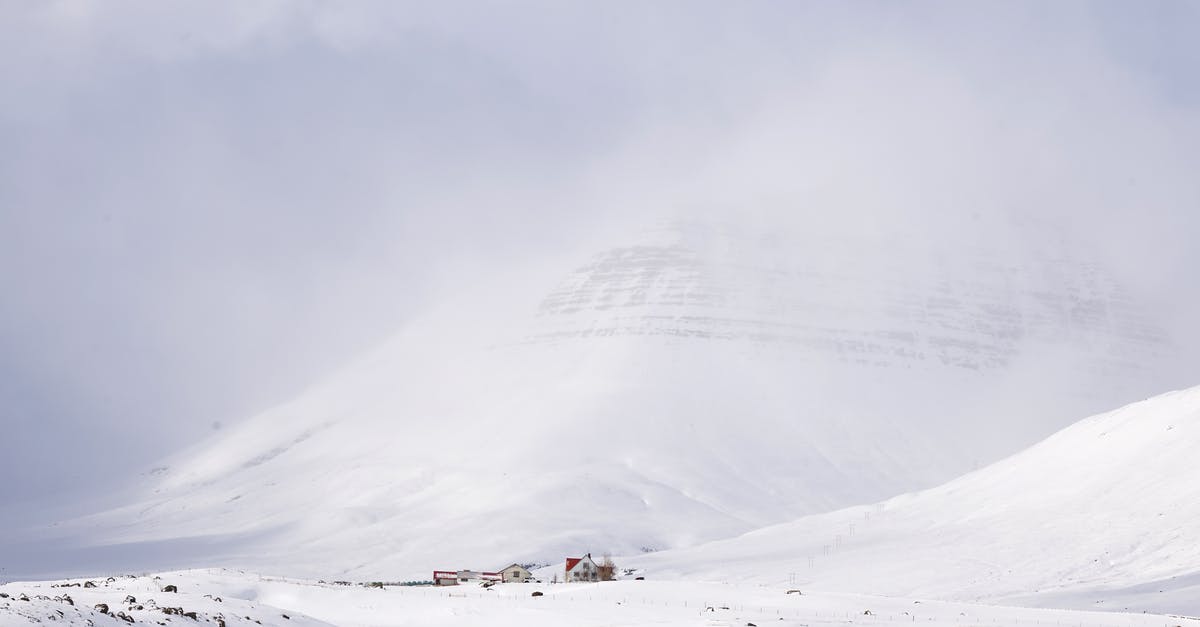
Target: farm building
{"x":515,"y":573}
{"x":581,"y":569}
{"x":453,"y":578}
{"x":465,"y":576}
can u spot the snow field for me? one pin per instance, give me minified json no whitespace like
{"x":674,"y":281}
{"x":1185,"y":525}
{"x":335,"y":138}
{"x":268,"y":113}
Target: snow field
{"x":214,"y":600}
{"x":253,"y":599}
{"x":1100,"y":515}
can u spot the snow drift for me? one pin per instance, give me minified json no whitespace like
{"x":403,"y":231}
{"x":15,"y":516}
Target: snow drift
{"x":1099,"y":515}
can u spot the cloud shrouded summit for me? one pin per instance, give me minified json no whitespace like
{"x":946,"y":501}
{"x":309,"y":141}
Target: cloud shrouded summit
{"x":207,"y":211}
{"x":692,"y":381}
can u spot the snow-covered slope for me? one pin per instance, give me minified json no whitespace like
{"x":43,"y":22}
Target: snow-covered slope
{"x":1102,"y":514}
{"x":698,"y":382}
{"x":217,"y":598}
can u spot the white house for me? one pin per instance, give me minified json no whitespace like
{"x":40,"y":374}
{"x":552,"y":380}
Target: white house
{"x":581,"y":569}
{"x":515,"y":573}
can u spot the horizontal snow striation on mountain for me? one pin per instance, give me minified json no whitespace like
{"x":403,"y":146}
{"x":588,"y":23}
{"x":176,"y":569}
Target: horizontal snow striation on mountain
{"x":701,"y":382}
{"x":1100,"y":515}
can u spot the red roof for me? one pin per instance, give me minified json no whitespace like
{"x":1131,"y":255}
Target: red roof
{"x":572,"y":561}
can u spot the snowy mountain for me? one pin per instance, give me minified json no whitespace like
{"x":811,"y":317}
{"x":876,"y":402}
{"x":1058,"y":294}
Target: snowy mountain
{"x":1099,"y":515}
{"x":696,"y":382}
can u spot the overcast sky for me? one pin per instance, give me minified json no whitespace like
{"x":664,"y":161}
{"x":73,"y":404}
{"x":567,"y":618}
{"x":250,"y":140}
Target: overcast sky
{"x":205,"y":207}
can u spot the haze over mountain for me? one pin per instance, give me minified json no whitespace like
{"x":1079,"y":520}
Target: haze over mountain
{"x":696,"y":381}
{"x":205,"y":211}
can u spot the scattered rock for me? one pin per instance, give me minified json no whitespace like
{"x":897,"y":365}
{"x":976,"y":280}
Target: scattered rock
{"x":794,"y":591}
{"x":101,"y":607}
{"x":866,"y":612}
{"x":22,"y":597}
{"x":125,"y":617}
{"x":129,"y":598}
{"x":536,"y":594}
{"x":191,"y":615}
{"x":89,"y":584}
{"x":170,"y":588}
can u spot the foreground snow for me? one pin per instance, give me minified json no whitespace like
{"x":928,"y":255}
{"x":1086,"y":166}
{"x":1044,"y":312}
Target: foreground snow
{"x":239,"y":598}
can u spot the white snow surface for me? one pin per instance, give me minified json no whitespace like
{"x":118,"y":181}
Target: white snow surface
{"x":249,"y":599}
{"x":698,"y":383}
{"x":1102,"y":514}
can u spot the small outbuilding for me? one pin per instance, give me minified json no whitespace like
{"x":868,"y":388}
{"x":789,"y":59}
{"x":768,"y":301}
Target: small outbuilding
{"x":515,"y":573}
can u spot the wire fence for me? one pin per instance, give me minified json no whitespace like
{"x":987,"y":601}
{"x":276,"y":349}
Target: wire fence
{"x":762,"y":611}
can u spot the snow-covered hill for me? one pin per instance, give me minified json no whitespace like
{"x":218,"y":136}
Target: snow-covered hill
{"x":1102,"y":514}
{"x":694,"y":383}
{"x":215,"y":598}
